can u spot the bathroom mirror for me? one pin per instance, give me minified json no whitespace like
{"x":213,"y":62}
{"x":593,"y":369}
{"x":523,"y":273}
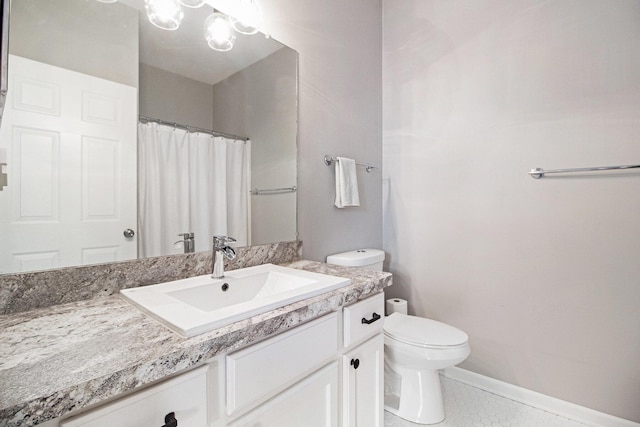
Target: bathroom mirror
{"x":105,"y":63}
{"x":4,"y":54}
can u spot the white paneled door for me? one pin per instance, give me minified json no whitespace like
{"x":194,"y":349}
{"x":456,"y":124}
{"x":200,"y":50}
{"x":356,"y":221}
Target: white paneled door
{"x":70,"y":140}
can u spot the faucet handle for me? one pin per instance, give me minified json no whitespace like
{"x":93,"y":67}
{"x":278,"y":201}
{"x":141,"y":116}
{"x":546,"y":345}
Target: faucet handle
{"x":222,"y":240}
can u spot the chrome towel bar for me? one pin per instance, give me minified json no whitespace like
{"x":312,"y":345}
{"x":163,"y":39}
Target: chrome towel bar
{"x":328,"y":160}
{"x":257,"y":191}
{"x":538,"y":173}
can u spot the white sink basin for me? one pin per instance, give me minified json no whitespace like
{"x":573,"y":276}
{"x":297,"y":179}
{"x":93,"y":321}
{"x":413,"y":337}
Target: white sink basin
{"x":199,"y":304}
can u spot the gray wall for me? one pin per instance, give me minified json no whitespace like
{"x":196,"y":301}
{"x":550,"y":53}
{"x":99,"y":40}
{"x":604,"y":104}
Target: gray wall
{"x":174,"y":98}
{"x":54,"y":32}
{"x":542,"y":274}
{"x":340,"y":110}
{"x":261,"y":102}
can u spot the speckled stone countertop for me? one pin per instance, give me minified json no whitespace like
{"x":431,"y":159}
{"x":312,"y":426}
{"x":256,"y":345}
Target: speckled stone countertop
{"x":60,"y":359}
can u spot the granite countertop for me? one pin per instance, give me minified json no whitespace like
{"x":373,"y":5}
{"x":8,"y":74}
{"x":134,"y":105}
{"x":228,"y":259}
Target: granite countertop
{"x":64,"y":358}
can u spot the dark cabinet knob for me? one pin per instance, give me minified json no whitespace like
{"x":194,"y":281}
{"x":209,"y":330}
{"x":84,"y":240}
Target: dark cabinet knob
{"x":355,"y":363}
{"x":170,"y":420}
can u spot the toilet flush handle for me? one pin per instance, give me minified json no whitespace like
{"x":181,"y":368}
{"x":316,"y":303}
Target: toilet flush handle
{"x":374,"y":317}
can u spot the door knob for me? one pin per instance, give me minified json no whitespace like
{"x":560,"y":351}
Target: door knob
{"x":355,"y":363}
{"x":170,"y":420}
{"x":129,"y":233}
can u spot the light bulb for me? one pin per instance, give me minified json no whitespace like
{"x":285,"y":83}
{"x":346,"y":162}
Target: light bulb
{"x":165,"y":14}
{"x":192,"y":3}
{"x":218,"y":33}
{"x":249,"y":17}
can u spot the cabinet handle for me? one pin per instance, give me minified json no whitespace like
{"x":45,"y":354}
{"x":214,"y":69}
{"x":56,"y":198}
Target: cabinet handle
{"x":374,"y":317}
{"x":355,"y":363}
{"x":170,"y":420}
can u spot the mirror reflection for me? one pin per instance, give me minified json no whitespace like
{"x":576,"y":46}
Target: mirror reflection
{"x":121,"y":137}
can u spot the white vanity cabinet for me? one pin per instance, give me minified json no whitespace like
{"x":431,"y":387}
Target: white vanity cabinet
{"x":311,"y":355}
{"x":325,"y":373}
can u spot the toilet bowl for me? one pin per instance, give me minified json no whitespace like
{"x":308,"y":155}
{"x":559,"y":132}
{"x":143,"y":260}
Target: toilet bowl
{"x":414,"y":349}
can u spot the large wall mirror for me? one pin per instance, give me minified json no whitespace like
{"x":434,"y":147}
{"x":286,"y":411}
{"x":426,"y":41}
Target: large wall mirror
{"x":117,"y":136}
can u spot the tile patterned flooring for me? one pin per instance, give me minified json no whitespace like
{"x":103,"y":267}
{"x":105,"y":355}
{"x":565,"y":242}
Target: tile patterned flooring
{"x":468,"y":406}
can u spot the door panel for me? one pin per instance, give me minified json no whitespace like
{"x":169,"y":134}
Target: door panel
{"x":70,"y":140}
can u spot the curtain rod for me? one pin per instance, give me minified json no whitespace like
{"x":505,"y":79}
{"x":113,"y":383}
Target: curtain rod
{"x":191,"y":128}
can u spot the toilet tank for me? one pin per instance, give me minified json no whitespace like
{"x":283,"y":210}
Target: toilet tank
{"x":371,"y":259}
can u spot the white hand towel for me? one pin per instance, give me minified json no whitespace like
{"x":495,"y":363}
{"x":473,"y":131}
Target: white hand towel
{"x":346,"y":183}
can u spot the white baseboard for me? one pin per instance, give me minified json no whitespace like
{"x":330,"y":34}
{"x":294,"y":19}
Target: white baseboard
{"x":550,"y":404}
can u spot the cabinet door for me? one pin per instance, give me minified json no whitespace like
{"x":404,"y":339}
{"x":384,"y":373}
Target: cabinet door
{"x":313,"y":402}
{"x":260,"y":371}
{"x":363,"y":384}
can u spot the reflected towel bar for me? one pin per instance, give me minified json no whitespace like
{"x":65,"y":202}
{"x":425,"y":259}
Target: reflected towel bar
{"x":328,"y":160}
{"x":538,"y":173}
{"x":257,"y":191}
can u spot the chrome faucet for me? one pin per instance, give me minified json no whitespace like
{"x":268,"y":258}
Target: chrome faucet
{"x":220,"y":251}
{"x":188,"y":242}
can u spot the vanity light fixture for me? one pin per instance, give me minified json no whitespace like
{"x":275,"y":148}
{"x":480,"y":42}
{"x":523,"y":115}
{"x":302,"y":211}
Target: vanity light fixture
{"x":192,"y":3}
{"x":218,"y":27}
{"x":165,"y":14}
{"x":218,"y":32}
{"x":249,"y":17}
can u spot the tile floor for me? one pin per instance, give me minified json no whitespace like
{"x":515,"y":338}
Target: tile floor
{"x":468,"y":406}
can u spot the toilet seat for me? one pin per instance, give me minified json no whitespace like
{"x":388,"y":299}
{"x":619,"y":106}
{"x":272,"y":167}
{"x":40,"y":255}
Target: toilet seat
{"x":421,"y":332}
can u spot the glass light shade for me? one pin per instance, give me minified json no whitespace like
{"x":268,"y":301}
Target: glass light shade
{"x":192,"y":3}
{"x":107,"y":1}
{"x":165,"y":14}
{"x":249,"y":17}
{"x":218,"y":32}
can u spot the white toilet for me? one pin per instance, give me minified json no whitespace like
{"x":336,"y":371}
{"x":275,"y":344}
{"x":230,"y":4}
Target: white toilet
{"x":414,"y":349}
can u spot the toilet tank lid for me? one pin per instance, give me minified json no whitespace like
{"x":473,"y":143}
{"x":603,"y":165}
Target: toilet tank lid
{"x":357,"y":258}
{"x":423,"y":332}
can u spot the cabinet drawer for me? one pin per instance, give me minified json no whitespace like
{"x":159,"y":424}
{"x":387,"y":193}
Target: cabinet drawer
{"x":363,"y":319}
{"x":185,"y":395}
{"x":263,"y":369}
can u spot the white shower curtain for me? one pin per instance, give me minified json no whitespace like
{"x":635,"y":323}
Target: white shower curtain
{"x":190,"y":182}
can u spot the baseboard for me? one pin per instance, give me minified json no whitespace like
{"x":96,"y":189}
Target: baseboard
{"x":575,"y":412}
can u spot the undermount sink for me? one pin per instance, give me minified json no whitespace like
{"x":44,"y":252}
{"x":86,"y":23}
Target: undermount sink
{"x":199,"y":304}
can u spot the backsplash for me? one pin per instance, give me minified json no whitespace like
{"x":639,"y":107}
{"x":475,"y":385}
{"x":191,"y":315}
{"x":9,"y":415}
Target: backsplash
{"x":29,"y":291}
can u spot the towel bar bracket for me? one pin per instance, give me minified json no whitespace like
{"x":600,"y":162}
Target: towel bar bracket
{"x":536,"y":173}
